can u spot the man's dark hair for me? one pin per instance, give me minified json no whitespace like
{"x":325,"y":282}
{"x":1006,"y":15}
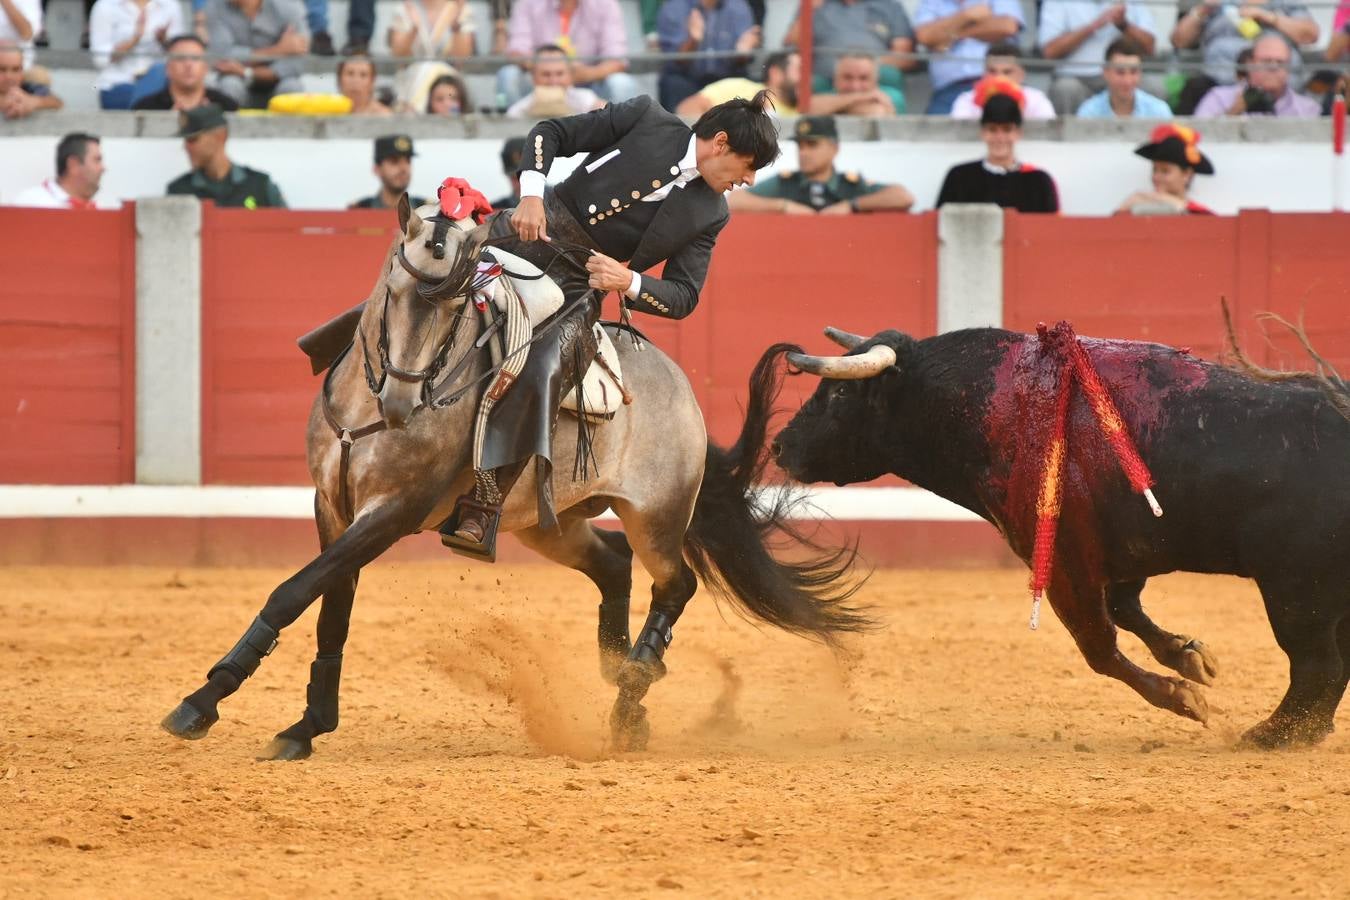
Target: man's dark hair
{"x":750,"y":130}
{"x":73,"y":146}
{"x":1124,"y":46}
{"x":513,"y":151}
{"x":776,"y":60}
{"x":356,"y":58}
{"x":551,"y":49}
{"x":183,"y":38}
{"x":1003,"y":49}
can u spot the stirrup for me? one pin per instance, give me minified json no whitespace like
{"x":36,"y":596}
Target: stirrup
{"x":486,"y":550}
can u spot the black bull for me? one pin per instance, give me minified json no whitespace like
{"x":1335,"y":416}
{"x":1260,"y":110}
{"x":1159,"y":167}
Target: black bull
{"x":1254,"y":477}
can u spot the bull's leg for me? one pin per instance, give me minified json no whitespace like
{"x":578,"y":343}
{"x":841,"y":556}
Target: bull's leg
{"x":369,"y":536}
{"x":1179,"y":652}
{"x":659,"y":545}
{"x":1078,"y":597}
{"x":606,"y":559}
{"x":1305,"y":617}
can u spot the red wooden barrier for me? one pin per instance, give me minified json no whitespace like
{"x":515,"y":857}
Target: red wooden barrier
{"x":269,"y":276}
{"x":67,"y":340}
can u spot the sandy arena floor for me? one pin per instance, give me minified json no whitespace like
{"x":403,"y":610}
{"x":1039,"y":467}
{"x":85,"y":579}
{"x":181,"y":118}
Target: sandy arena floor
{"x":957,"y":754}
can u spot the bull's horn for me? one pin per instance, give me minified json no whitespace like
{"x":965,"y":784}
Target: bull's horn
{"x":864,"y":365}
{"x":846,"y":339}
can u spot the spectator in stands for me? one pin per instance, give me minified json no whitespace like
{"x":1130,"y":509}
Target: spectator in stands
{"x":857,"y":90}
{"x":879,"y":29}
{"x":213,"y":176}
{"x":316,"y":17}
{"x":513,"y":151}
{"x":591,"y":31}
{"x":1222,"y":29}
{"x":448,"y":97}
{"x":961,"y":31}
{"x":79,"y":170}
{"x":186,"y":72}
{"x":128,"y":39}
{"x":261,"y":46}
{"x":432,"y":29}
{"x":999,"y":177}
{"x":1078,"y":32}
{"x":782,"y":71}
{"x":20,"y":98}
{"x":1176,"y":162}
{"x":20,"y":20}
{"x":1122,"y":98}
{"x":554,"y":94}
{"x":1340,"y":39}
{"x":1001,"y":62}
{"x":356,"y":82}
{"x":713,"y":28}
{"x":1266,"y":91}
{"x":393,"y":166}
{"x":819,"y":187}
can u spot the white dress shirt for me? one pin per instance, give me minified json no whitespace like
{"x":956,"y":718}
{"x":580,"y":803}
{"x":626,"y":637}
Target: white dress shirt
{"x":48,"y":195}
{"x":32,"y":11}
{"x":111,"y":22}
{"x":1038,"y":105}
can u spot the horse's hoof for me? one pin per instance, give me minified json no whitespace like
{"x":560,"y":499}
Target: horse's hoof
{"x":629,"y":728}
{"x":1189,"y":701}
{"x":1279,"y":735}
{"x":285,"y":749}
{"x":188,"y":722}
{"x":611,"y":661}
{"x":1197,"y":663}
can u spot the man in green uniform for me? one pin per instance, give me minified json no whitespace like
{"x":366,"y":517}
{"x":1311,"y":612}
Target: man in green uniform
{"x":213,"y":176}
{"x":393,"y":166}
{"x":818,"y":187}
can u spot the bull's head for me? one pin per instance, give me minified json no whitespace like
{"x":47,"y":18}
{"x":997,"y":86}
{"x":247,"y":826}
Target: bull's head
{"x":840,"y":434}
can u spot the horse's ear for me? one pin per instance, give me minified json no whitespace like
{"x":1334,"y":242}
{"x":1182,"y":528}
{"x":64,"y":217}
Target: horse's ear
{"x":409,"y":222}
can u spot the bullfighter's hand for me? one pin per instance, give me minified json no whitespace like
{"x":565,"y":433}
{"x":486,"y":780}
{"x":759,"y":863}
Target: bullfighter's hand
{"x":528,"y":220}
{"x":608,"y":274}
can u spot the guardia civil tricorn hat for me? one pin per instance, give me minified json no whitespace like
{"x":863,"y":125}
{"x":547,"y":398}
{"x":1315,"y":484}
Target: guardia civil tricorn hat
{"x":1176,"y":144}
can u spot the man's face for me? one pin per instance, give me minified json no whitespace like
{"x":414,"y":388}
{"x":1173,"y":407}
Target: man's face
{"x":816,"y":155}
{"x":1000,"y":139}
{"x":395,"y":173}
{"x":1004,"y":67}
{"x":87,"y":173}
{"x":1269,"y":68}
{"x":724,"y":169}
{"x":552,"y":69}
{"x":186,"y":68}
{"x":11,"y":70}
{"x":357,"y":79}
{"x":202,"y":148}
{"x":1122,"y":75}
{"x":1170,"y":178}
{"x":783,"y":80}
{"x":854,"y":75}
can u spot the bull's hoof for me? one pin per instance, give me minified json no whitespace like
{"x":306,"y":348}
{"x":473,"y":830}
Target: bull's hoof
{"x":1196,"y":662}
{"x":188,"y":722}
{"x":1280,"y":734}
{"x":1188,"y":700}
{"x":629,"y":728}
{"x":287,"y":749}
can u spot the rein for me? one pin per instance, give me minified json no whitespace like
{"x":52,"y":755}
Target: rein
{"x":437,"y":395}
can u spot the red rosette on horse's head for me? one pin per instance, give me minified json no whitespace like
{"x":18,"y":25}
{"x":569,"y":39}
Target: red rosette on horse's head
{"x":460,"y":200}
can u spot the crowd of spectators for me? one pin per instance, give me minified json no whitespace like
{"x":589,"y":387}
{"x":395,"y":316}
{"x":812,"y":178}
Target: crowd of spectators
{"x":1097,"y":57}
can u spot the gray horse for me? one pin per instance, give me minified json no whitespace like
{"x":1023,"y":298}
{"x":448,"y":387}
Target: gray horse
{"x":388,"y":454}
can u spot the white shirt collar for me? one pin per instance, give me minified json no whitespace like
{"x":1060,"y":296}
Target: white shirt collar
{"x":689,"y":164}
{"x":999,"y":170}
{"x":54,"y":188}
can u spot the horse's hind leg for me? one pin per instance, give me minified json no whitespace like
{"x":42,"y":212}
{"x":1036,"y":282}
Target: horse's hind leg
{"x":1179,"y":652}
{"x":370,"y":535}
{"x":1306,"y":617}
{"x":606,"y":559}
{"x":658,"y":540}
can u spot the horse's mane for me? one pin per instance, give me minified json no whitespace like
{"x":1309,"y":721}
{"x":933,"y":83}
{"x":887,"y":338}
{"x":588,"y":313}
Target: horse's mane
{"x":1324,"y":376}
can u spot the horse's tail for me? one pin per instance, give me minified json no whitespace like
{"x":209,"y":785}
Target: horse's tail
{"x":735,"y":527}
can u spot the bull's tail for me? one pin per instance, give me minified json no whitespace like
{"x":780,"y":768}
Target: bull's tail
{"x":735,"y":528}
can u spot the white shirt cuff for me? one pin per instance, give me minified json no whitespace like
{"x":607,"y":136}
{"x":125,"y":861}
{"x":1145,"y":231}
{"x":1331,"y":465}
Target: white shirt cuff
{"x":634,"y":286}
{"x":532,"y":184}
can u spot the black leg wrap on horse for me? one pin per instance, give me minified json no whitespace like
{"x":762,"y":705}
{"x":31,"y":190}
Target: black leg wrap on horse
{"x":614,"y":625}
{"x":652,"y":642}
{"x":322,"y":694}
{"x":243,"y":660}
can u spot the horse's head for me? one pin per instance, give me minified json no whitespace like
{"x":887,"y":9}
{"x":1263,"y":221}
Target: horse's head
{"x":425,"y":290}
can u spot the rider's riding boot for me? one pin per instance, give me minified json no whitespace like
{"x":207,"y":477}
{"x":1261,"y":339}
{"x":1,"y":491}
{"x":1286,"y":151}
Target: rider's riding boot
{"x":471,"y":529}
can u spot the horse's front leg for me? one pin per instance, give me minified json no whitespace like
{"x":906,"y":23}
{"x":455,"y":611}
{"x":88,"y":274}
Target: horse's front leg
{"x":333,"y":571}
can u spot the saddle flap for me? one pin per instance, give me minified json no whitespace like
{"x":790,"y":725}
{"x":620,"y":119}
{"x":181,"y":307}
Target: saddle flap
{"x":602,"y":385}
{"x":541,"y":296}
